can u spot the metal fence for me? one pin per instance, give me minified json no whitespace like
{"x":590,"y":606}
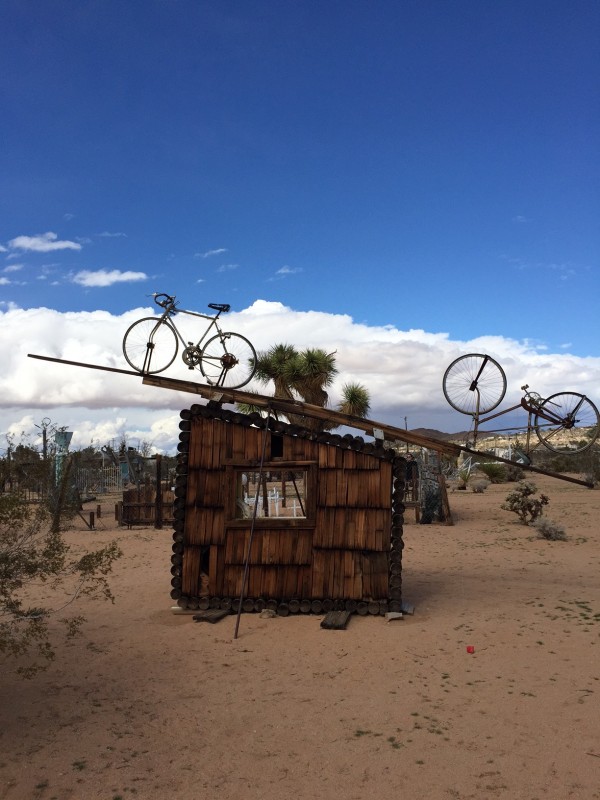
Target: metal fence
{"x":98,"y":480}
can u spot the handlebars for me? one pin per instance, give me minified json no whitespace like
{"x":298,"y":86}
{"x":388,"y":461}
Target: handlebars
{"x":164,"y":300}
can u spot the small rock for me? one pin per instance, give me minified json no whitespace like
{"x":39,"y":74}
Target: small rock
{"x":267,"y":613}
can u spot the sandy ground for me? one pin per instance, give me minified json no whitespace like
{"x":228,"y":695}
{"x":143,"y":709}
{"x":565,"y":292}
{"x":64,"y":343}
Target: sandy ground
{"x":151,"y":705}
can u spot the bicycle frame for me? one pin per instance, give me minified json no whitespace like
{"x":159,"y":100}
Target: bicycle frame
{"x":165,"y":318}
{"x":533,"y":410}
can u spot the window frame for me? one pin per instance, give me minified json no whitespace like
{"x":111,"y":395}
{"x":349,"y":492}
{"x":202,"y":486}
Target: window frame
{"x":233,"y":469}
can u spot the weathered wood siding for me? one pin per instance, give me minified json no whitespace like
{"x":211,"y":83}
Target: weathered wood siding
{"x":340,"y":551}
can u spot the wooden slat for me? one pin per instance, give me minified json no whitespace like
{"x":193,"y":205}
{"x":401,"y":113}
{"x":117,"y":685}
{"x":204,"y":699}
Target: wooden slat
{"x":269,"y":547}
{"x":190,"y":578}
{"x":216,"y":570}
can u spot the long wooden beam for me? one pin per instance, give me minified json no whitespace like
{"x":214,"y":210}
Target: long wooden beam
{"x":304,"y":409}
{"x":371,"y":427}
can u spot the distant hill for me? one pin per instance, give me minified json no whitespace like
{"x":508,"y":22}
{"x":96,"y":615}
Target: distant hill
{"x":431,"y":433}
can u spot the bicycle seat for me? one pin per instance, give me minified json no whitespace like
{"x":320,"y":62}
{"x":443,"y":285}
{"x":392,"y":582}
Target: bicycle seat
{"x":220,"y":307}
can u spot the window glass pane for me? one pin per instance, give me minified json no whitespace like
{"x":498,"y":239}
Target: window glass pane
{"x":281,"y":493}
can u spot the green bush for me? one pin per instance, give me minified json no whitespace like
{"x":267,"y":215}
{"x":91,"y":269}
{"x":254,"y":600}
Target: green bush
{"x":522,"y":502}
{"x":495,"y":471}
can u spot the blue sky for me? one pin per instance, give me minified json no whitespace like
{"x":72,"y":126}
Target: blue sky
{"x":427,"y":166}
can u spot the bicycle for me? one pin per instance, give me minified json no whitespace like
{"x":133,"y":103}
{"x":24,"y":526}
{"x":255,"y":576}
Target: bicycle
{"x":151,"y":345}
{"x":565,"y":422}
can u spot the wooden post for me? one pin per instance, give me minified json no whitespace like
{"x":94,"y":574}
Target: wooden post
{"x":158,"y":514}
{"x":98,"y":511}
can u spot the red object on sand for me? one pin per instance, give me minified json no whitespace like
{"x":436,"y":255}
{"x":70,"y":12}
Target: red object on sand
{"x":470,"y":648}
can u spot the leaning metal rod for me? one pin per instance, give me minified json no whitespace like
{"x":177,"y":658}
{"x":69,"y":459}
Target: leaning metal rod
{"x":298,"y":494}
{"x":254,"y":513}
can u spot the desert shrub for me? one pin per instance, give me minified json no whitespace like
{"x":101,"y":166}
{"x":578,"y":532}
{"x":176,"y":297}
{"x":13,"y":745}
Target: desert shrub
{"x":560,"y":463}
{"x":522,"y":502}
{"x":479,"y":486}
{"x":33,"y":552}
{"x":547,"y":529}
{"x":513,"y":473}
{"x":494,"y":471}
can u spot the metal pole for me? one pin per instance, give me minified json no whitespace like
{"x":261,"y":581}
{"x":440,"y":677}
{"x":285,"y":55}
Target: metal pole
{"x":254,"y":513}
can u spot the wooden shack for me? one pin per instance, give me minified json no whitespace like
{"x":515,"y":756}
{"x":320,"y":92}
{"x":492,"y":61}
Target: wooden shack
{"x":284,"y":517}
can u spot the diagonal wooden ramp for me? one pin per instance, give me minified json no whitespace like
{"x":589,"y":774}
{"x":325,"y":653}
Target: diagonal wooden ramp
{"x":378,"y":430}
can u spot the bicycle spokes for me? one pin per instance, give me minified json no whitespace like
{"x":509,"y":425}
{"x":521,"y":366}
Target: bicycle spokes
{"x":228,"y":360}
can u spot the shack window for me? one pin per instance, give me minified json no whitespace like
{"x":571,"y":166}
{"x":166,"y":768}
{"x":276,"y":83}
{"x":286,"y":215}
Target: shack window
{"x":282,"y":493}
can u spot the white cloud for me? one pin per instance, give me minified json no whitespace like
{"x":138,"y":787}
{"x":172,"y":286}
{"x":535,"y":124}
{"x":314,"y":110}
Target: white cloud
{"x":104,"y":277}
{"x":227,"y":267}
{"x":208,"y":253}
{"x":109,"y":235}
{"x":289,"y":270}
{"x":13,"y":268}
{"x":403,"y":369}
{"x":4,"y":281}
{"x":42,"y":243}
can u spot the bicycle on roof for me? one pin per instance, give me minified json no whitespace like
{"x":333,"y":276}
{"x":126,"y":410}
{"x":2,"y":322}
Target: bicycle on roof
{"x":151,"y":345}
{"x":565,"y":422}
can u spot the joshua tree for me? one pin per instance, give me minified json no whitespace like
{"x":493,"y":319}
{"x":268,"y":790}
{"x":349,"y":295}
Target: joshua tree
{"x":305,"y":375}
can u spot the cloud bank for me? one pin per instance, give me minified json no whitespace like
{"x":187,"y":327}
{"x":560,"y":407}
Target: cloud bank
{"x":42,"y":243}
{"x":403,"y":370}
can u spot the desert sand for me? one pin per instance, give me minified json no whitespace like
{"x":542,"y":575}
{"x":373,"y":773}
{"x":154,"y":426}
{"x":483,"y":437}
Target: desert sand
{"x":149,"y":704}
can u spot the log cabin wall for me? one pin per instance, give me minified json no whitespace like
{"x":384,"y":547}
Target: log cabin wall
{"x":333,"y":534}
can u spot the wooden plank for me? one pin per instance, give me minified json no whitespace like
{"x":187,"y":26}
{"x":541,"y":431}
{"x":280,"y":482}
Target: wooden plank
{"x":190,"y":578}
{"x":228,"y":444}
{"x":335,"y":620}
{"x":445,"y":502}
{"x":206,"y":445}
{"x":318,"y":574}
{"x":375,"y":575}
{"x":269,"y":547}
{"x":385,"y":485}
{"x":316,"y":412}
{"x":216,"y":572}
{"x":322,"y":456}
{"x":211,"y":615}
{"x":239,"y":451}
{"x":349,"y":459}
{"x":212,"y":489}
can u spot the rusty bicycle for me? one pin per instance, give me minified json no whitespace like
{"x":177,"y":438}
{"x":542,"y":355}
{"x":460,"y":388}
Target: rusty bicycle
{"x":225,"y":359}
{"x":565,"y":422}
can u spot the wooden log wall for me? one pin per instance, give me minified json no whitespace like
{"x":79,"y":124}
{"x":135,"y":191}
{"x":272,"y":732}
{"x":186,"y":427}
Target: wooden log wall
{"x":346,"y":553}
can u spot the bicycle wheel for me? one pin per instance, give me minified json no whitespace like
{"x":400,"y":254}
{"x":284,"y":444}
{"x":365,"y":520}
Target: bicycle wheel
{"x":150,"y":346}
{"x":474,"y":383}
{"x":228,"y":360}
{"x":573,"y":422}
